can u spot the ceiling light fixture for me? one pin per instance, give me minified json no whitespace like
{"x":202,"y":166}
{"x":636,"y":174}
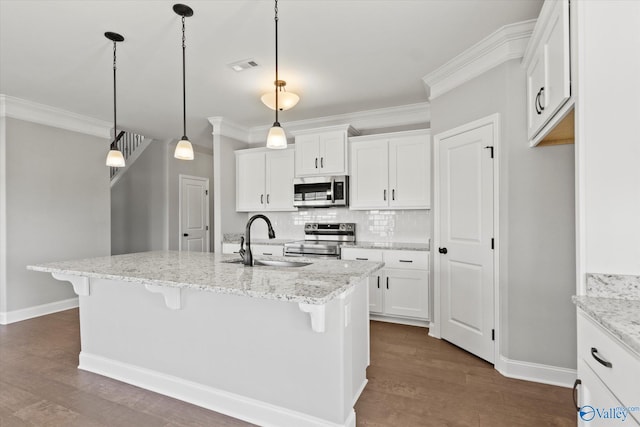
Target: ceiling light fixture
{"x":276,"y":138}
{"x":286,"y":100}
{"x":184,"y":149}
{"x":114,"y":158}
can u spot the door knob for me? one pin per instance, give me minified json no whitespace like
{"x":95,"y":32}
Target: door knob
{"x":442,"y":250}
{"x":186,"y":234}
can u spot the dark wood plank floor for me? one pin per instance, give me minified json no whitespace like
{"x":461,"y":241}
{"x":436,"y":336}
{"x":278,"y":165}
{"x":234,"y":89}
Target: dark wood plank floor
{"x":414,"y":380}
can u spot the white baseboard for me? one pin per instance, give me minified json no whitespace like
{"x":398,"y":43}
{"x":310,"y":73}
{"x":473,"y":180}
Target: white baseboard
{"x":7,"y":317}
{"x":236,"y":406}
{"x":535,"y":372}
{"x":400,"y":320}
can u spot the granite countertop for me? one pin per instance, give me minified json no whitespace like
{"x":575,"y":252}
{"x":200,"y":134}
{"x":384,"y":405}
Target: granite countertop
{"x":317,"y":283}
{"x":613,"y":301}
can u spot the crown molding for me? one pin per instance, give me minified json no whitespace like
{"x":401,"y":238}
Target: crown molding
{"x":22,"y":109}
{"x":506,"y":43}
{"x":419,"y":113}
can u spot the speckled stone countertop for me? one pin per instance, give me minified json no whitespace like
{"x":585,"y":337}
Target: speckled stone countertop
{"x":614,"y":302}
{"x":317,"y":283}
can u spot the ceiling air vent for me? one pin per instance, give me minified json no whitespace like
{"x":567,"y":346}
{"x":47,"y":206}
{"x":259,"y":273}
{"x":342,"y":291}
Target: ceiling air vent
{"x":245,"y":64}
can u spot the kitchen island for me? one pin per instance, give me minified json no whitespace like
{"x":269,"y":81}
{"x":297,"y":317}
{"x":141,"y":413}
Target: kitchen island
{"x":281,"y":346}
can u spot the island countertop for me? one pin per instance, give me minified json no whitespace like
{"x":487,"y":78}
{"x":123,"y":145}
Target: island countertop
{"x":317,"y":283}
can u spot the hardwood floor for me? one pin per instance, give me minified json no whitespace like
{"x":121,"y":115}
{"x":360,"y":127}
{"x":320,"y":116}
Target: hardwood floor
{"x":414,"y":380}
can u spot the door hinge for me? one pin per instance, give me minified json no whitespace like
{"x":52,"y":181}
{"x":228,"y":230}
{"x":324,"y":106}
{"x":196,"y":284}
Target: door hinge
{"x":492,"y":243}
{"x":493,"y":335}
{"x":491,"y":148}
{"x":206,"y":192}
{"x":206,"y":227}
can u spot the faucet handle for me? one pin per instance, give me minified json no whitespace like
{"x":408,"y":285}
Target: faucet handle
{"x":242,"y":251}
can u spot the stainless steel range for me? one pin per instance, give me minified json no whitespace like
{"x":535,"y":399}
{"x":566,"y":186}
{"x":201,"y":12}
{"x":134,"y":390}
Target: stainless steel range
{"x":322,"y":239}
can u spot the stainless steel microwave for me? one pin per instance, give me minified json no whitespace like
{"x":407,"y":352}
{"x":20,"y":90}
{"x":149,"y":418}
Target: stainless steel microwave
{"x":321,"y":191}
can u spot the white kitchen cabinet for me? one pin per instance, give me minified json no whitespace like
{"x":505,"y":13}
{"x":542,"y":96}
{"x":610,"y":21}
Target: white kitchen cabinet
{"x":264,"y":180}
{"x":400,"y":291}
{"x":322,"y":151}
{"x":608,"y":371}
{"x":391,"y":171}
{"x":548,"y":67}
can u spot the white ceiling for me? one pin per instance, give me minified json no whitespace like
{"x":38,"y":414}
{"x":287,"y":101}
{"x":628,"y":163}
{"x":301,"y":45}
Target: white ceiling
{"x":340,"y":56}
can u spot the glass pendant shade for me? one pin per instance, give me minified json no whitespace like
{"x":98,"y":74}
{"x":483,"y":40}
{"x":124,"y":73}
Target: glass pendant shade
{"x":115,"y":159}
{"x":286,"y":100}
{"x":184,"y":150}
{"x":276,"y":139}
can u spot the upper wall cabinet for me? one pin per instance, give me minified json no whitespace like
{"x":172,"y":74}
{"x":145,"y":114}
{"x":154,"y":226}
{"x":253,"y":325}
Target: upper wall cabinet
{"x":264,"y":180}
{"x":548,"y":67}
{"x":322,"y":151}
{"x":391,"y":171}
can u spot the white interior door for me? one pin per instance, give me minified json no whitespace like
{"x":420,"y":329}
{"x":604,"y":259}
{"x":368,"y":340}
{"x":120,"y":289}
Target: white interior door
{"x":466,"y":240}
{"x":194,"y":214}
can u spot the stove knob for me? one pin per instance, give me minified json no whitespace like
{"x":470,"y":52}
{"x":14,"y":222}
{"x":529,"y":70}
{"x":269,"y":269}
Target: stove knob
{"x":342,"y":227}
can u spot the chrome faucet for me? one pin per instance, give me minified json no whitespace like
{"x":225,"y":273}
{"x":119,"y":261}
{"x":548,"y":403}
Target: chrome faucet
{"x":246,"y":254}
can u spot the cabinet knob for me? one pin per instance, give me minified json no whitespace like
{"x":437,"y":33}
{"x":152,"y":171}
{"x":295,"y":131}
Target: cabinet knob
{"x":442,"y":250}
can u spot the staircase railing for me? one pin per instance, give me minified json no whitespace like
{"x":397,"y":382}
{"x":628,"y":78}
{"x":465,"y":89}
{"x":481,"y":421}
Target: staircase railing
{"x":126,"y":142}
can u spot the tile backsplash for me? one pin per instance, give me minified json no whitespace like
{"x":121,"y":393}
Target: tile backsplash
{"x":409,"y":226}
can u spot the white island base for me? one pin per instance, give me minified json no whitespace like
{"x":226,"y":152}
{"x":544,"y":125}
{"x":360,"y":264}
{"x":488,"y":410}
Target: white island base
{"x":255,"y":359}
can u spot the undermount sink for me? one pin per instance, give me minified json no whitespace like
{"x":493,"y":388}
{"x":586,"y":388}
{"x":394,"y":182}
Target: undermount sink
{"x":271,"y":263}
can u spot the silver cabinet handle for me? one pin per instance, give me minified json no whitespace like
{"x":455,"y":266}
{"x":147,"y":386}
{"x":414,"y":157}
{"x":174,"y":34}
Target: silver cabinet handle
{"x":393,"y":194}
{"x":316,"y":163}
{"x":362,"y":259}
{"x":321,"y":162}
{"x":267,"y":198}
{"x":267,"y":253}
{"x":387,"y":283}
{"x":406,"y":260}
{"x":378,"y":282}
{"x":261,"y":199}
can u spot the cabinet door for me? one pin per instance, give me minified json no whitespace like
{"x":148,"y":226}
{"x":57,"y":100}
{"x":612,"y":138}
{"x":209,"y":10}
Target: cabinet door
{"x":332,"y":153}
{"x":409,"y":172}
{"x":535,"y":88}
{"x":279,"y":181}
{"x":250,"y":188}
{"x":558,"y":85}
{"x":375,"y":293}
{"x":307,"y":155}
{"x":369,"y":175}
{"x":406,"y":293}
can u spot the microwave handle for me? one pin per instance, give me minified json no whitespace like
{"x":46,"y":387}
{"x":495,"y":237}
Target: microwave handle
{"x":333,"y":190}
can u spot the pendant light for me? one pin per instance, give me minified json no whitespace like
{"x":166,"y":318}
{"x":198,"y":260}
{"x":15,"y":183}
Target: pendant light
{"x":286,"y":100}
{"x":115,"y":157}
{"x":184,"y":149}
{"x":276,"y":138}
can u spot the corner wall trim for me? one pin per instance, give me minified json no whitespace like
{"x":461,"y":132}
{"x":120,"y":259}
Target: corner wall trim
{"x":7,"y":317}
{"x":506,"y":43}
{"x":536,"y":372}
{"x":34,"y":112}
{"x":244,"y":408}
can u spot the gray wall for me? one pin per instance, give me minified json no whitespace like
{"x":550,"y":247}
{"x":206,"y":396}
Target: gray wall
{"x":139,"y":204}
{"x":57,"y":192}
{"x":537,"y":225}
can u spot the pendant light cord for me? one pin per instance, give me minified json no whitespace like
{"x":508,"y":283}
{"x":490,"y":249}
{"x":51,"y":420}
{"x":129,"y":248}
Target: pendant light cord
{"x":184,"y":85}
{"x":115,"y":127}
{"x":276,"y":85}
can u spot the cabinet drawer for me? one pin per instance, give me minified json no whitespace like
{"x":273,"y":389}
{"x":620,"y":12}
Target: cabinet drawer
{"x":267,"y":250}
{"x":412,"y":260}
{"x":361,"y":254}
{"x":623,"y":375}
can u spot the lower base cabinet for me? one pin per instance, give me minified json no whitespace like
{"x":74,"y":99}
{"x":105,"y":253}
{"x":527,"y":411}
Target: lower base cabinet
{"x":397,"y":292}
{"x":606,"y":392}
